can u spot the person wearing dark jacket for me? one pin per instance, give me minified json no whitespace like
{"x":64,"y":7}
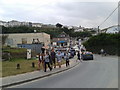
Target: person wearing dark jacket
{"x":66,"y":57}
{"x":52,"y":57}
{"x":78,"y":55}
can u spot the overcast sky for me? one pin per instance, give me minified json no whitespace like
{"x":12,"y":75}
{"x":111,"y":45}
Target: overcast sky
{"x":66,"y":12}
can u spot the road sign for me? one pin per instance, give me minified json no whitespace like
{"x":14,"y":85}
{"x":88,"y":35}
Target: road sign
{"x":28,"y":53}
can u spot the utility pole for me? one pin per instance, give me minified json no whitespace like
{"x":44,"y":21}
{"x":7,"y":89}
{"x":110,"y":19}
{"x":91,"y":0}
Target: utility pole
{"x":70,"y":43}
{"x":79,"y":46}
{"x":98,"y":30}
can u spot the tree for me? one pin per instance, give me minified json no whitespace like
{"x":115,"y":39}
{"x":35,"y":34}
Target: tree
{"x":81,"y":34}
{"x":109,"y":42}
{"x":59,"y":25}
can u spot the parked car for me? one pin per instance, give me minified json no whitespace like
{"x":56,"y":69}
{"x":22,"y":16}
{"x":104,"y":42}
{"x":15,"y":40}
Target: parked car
{"x":72,"y":53}
{"x":87,"y":56}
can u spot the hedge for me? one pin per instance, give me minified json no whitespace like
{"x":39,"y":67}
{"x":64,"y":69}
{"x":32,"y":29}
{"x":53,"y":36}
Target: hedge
{"x":109,"y":42}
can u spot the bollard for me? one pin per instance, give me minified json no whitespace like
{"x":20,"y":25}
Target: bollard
{"x":33,"y":64}
{"x":18,"y":66}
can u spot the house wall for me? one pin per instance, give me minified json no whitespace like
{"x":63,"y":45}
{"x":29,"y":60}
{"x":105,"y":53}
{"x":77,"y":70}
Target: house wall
{"x":34,"y":47}
{"x":14,"y":39}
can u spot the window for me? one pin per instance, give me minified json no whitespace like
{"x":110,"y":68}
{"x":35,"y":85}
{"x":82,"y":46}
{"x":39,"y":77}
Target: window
{"x":24,"y":40}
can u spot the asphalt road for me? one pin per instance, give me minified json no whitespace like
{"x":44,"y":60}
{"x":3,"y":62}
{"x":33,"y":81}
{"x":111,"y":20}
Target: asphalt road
{"x":102,"y":72}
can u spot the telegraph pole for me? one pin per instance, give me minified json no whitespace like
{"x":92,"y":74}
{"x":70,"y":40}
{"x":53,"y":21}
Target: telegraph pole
{"x":79,"y":46}
{"x":98,"y":29}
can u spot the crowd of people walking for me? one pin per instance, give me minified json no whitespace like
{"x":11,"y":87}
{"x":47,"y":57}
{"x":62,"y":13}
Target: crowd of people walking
{"x":52,"y":58}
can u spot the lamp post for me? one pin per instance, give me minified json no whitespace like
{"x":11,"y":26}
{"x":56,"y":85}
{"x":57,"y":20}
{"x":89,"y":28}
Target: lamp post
{"x":79,"y":46}
{"x":70,"y":44}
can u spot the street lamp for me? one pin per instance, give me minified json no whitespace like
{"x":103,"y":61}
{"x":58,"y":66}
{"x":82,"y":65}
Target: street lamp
{"x":70,"y":44}
{"x":79,"y":46}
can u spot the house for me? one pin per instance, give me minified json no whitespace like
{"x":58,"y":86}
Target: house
{"x":62,"y":40}
{"x":78,"y":30}
{"x":27,"y":38}
{"x":113,"y":29}
{"x":3,"y":23}
{"x":14,"y":23}
{"x":36,"y":24}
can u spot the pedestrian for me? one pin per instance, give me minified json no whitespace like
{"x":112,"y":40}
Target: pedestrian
{"x":59,"y":59}
{"x":47,"y":62}
{"x":79,"y":56}
{"x":102,"y":52}
{"x":43,"y":57}
{"x":39,"y":60}
{"x":67,"y":55}
{"x":52,"y":57}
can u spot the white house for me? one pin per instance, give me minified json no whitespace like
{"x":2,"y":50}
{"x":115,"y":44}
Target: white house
{"x":78,"y":30}
{"x":14,"y":23}
{"x":3,"y":23}
{"x":36,"y":25}
{"x":113,"y":29}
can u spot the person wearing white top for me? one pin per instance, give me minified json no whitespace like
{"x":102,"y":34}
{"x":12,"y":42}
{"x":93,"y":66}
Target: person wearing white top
{"x":66,"y":57}
{"x":59,"y":59}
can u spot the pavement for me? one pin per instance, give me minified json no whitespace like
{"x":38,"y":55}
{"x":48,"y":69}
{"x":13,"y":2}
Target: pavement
{"x":26,"y":77}
{"x":102,"y":72}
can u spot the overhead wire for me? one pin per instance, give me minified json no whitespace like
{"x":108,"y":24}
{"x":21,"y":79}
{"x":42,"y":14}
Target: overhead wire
{"x":110,"y":15}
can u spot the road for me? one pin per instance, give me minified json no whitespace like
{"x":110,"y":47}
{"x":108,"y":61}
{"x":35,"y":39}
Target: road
{"x":102,"y":72}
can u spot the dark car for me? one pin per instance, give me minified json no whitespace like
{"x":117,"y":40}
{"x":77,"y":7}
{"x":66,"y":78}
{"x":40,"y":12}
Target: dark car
{"x":87,"y":56}
{"x":72,"y":53}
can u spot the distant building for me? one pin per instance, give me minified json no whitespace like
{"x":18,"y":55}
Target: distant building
{"x":17,"y":23}
{"x":27,"y":38}
{"x":14,"y":23}
{"x":62,"y":40}
{"x":113,"y":29}
{"x":36,"y":25}
{"x":78,"y":30}
{"x":3,"y":23}
{"x":29,"y":24}
{"x":48,"y":26}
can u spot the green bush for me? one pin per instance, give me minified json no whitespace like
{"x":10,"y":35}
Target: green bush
{"x":109,"y":42}
{"x":12,"y":53}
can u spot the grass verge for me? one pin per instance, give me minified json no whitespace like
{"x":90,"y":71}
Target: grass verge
{"x":9,"y":67}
